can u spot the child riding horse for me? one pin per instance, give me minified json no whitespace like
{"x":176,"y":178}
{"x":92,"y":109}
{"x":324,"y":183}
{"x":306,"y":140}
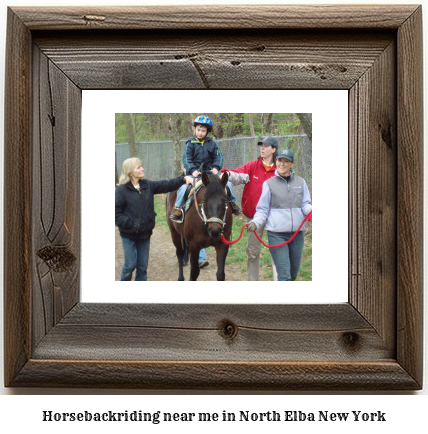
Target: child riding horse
{"x":206,"y":220}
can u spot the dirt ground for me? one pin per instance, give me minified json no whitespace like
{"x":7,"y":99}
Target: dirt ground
{"x":163,"y":264}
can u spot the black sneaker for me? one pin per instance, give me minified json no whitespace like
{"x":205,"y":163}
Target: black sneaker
{"x":203,"y":264}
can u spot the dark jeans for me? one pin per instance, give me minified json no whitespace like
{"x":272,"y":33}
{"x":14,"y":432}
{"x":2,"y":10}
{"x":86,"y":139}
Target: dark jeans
{"x":287,"y":258}
{"x":136,"y":254}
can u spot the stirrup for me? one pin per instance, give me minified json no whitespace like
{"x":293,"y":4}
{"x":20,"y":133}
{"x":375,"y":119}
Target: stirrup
{"x":176,"y":218}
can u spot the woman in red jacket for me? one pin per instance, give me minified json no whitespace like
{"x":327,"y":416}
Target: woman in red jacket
{"x":253,"y":175}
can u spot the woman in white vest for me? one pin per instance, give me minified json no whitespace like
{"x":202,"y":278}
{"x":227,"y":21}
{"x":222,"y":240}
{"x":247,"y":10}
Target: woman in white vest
{"x":285,"y":201}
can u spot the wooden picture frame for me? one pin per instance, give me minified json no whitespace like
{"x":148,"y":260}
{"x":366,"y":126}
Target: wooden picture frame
{"x":372,"y":342}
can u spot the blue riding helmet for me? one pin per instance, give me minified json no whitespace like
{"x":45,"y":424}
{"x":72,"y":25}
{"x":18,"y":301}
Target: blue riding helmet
{"x":203,"y":120}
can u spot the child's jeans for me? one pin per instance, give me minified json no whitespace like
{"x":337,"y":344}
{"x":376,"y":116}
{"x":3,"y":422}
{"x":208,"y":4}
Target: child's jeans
{"x":182,"y":190}
{"x":202,"y":255}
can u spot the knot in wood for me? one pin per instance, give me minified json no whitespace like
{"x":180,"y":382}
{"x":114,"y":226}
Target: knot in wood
{"x":386,"y":134}
{"x":351,"y":340}
{"x":227,"y":329}
{"x":58,"y":259}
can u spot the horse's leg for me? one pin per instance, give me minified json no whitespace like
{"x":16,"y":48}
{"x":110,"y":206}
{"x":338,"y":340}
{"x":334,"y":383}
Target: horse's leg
{"x":186,"y":255}
{"x":194,"y":261}
{"x":179,"y":251}
{"x":180,"y":255}
{"x":221,"y":253}
{"x":175,"y":235}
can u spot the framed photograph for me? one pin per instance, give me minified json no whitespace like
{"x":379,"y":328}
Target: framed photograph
{"x":161,"y":142}
{"x":101,"y":121}
{"x":371,"y":341}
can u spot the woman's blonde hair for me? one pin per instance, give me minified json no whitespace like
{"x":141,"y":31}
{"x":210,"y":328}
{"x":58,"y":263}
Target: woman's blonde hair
{"x":128,"y":166}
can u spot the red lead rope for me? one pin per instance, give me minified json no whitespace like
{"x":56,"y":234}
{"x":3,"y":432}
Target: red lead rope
{"x":308,"y":218}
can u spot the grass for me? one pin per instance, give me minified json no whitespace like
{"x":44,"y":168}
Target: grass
{"x":160,"y":211}
{"x":237,"y":254}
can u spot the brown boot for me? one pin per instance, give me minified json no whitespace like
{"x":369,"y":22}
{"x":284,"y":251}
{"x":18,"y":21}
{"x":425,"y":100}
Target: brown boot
{"x":235,"y":209}
{"x":177,"y":215}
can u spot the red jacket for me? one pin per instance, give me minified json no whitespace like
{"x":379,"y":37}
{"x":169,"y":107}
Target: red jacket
{"x":253,"y":188}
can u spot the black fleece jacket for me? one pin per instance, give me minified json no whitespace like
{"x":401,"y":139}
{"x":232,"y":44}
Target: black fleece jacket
{"x":135,"y":210}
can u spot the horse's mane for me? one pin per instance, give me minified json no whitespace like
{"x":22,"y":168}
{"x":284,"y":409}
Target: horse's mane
{"x":215,"y":187}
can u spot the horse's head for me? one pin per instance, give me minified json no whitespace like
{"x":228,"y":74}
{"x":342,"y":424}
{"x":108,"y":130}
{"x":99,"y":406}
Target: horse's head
{"x":214,"y":203}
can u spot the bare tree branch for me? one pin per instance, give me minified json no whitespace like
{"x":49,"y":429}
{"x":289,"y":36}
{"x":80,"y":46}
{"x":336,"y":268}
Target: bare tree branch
{"x":174,"y":123}
{"x":131,"y":134}
{"x":306,"y":122}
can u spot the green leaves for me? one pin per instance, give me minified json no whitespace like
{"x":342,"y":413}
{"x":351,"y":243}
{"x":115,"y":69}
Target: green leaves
{"x":155,"y":126}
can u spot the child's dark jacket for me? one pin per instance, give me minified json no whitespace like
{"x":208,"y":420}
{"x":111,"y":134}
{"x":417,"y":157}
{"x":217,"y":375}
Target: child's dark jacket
{"x":195,"y":153}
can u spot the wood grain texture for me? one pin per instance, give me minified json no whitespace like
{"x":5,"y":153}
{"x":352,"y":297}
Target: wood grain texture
{"x":410,"y":198}
{"x":216,"y":375}
{"x":261,"y":333}
{"x":216,"y":17}
{"x":216,"y":59}
{"x":56,"y":202}
{"x":372,"y":342}
{"x":17,"y":219}
{"x":373,"y":177}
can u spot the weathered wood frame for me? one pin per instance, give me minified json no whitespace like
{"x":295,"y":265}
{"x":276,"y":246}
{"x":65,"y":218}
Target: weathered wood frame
{"x":372,"y":342}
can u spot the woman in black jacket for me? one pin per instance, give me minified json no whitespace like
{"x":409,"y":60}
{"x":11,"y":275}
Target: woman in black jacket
{"x":135,"y":214}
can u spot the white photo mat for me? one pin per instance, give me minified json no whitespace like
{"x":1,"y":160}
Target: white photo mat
{"x":329,"y":110}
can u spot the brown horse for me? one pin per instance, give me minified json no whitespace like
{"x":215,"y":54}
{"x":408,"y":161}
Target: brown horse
{"x":202,"y":227}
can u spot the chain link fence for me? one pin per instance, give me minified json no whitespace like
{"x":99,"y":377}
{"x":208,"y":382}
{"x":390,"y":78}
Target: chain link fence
{"x":157,"y":158}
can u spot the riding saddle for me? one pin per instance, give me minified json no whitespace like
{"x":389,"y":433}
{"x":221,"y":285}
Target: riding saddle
{"x":189,"y":195}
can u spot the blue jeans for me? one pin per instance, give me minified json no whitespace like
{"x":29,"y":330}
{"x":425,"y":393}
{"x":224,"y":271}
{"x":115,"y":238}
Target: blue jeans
{"x":136,"y":254}
{"x":202,"y":255}
{"x":287,"y":258}
{"x":232,"y":194}
{"x":182,"y":190}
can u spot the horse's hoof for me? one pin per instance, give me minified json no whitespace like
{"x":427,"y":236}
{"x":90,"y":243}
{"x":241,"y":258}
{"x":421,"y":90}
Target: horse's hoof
{"x":181,"y":280}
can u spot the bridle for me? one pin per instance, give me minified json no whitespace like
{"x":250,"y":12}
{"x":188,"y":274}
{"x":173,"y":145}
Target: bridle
{"x":203,"y":216}
{"x":215,"y":219}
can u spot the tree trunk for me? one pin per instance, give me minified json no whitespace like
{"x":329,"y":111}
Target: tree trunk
{"x":236,"y":124}
{"x":189,"y":125}
{"x":251,"y":122}
{"x":306,"y":122}
{"x":221,"y":130}
{"x":272,"y":124}
{"x":267,"y":122}
{"x":252,"y":130}
{"x":218,"y":131}
{"x":131,"y":135}
{"x":174,"y":122}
